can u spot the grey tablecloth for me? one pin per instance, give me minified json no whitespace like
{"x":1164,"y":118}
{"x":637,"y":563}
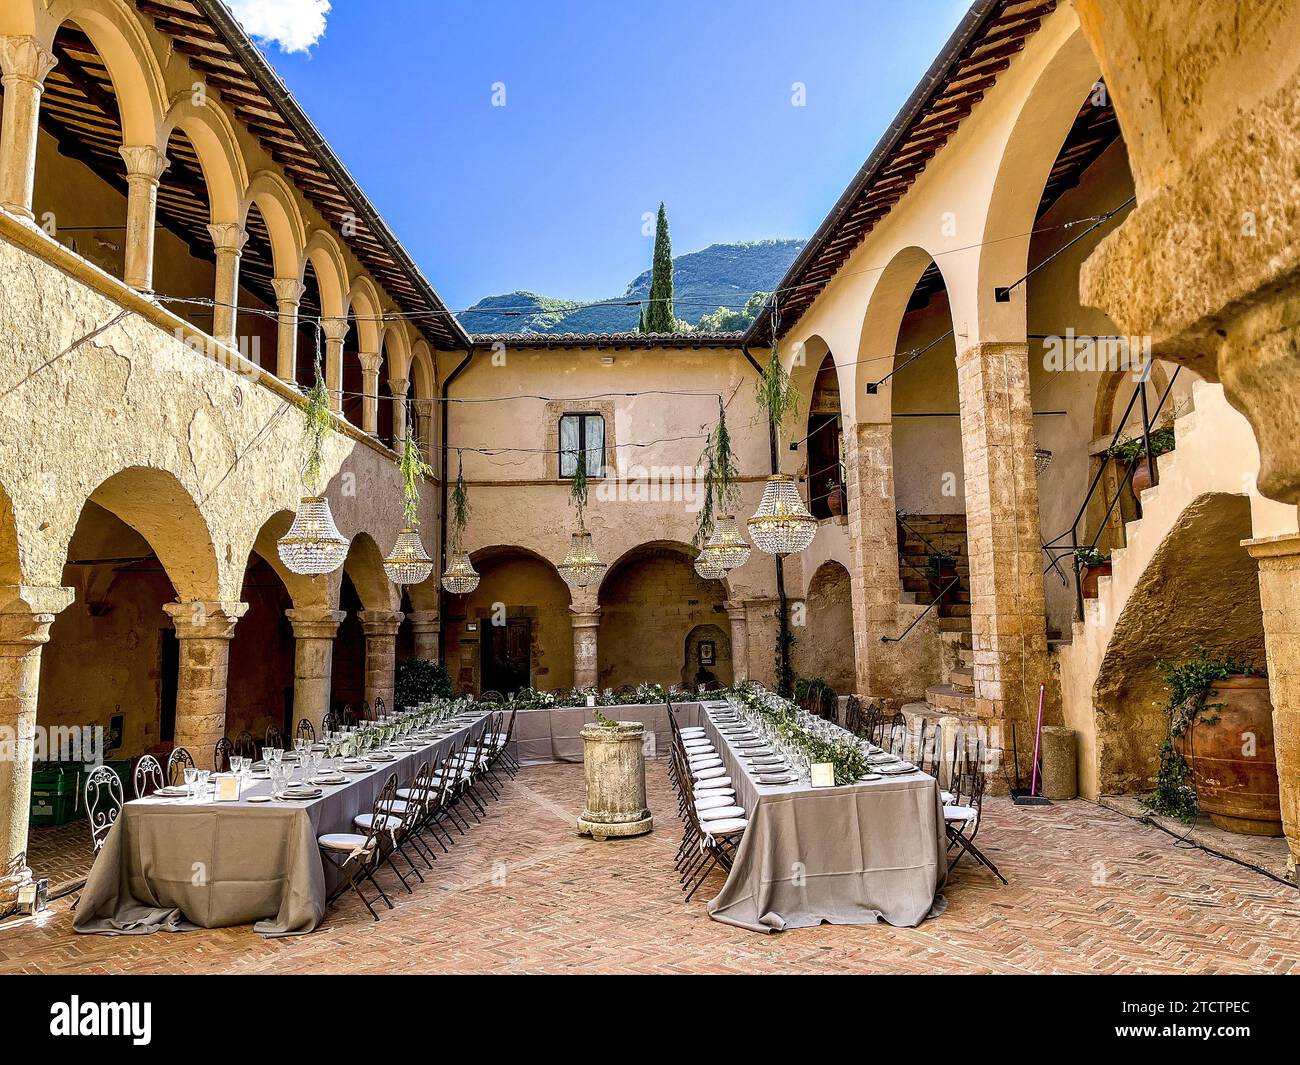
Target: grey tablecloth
{"x":170,"y":865}
{"x":553,"y":734}
{"x":847,"y":855}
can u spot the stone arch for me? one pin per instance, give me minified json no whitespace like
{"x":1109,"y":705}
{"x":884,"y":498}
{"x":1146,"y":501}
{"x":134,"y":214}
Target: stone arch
{"x":366,"y":306}
{"x":119,"y":38}
{"x":824,"y":648}
{"x":522,"y":633}
{"x":1200,"y":590}
{"x":158,"y":507}
{"x":424,"y":376}
{"x":365,"y":568}
{"x":323,"y":251}
{"x":213,"y":135}
{"x":650,"y":600}
{"x":279,"y":209}
{"x":1041,"y":126}
{"x":10,"y":560}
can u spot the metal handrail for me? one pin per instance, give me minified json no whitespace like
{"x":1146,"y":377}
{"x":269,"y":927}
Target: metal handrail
{"x":1073,"y":531}
{"x":919,"y":617}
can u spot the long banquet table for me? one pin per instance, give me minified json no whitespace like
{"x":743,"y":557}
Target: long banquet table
{"x":175,"y":865}
{"x":855,"y":854}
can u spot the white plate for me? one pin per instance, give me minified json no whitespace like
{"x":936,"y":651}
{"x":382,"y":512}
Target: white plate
{"x":258,"y":798}
{"x":768,"y":778}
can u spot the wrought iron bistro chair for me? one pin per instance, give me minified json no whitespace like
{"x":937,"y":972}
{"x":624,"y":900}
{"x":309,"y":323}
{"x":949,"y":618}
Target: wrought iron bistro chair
{"x":381,"y":707}
{"x":177,"y":762}
{"x":357,"y":856}
{"x":221,"y":755}
{"x":491,"y":697}
{"x":853,"y":720}
{"x":330,"y":722}
{"x":103,"y":797}
{"x":623,"y":691}
{"x":274,"y":737}
{"x":244,"y":745}
{"x":893,"y":734}
{"x":305,"y":731}
{"x":148,"y":776}
{"x":962,"y":816}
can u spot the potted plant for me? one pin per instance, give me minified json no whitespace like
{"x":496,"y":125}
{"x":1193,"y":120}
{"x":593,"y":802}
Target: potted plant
{"x":941,"y":567}
{"x":1092,"y":565}
{"x":1219,"y":756}
{"x":1133,"y":453}
{"x":420,"y":681}
{"x":835,"y":497}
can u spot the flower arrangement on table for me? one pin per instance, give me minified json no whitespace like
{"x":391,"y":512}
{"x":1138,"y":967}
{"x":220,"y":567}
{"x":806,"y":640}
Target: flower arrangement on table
{"x":813,"y":737}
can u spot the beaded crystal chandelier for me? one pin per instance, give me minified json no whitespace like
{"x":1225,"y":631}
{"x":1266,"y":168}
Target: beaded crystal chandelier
{"x":313,"y":545}
{"x":782,"y":524}
{"x":408,"y":562}
{"x":1042,"y":459}
{"x":727,"y":543}
{"x":581,"y":566}
{"x":708,"y":566}
{"x":460,"y":578}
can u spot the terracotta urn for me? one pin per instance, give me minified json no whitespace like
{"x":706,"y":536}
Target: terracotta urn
{"x":1141,"y":479}
{"x":835,"y":500}
{"x":1091,"y":574}
{"x":1229,"y":749}
{"x":614,"y":765}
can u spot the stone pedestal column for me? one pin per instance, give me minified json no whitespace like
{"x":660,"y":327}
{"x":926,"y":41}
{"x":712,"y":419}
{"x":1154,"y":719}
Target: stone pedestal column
{"x":24,"y":64}
{"x":381,"y":654}
{"x":144,"y":168}
{"x":369,"y":391}
{"x":873,"y":555}
{"x":1279,"y":593}
{"x":204,"y":631}
{"x":313,"y":658}
{"x":1008,"y":613}
{"x":586,"y":631}
{"x":425,"y":627}
{"x":229,"y":239}
{"x":288,"y":298}
{"x":739,"y":617}
{"x":25,"y":619}
{"x":614,"y":766}
{"x":336,"y":331}
{"x":398,"y":386}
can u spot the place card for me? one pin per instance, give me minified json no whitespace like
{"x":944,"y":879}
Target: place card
{"x":227,"y":789}
{"x":823,"y":774}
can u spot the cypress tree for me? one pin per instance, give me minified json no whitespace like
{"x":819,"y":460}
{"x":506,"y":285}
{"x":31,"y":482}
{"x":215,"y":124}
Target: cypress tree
{"x":659,"y":317}
{"x":640,"y":325}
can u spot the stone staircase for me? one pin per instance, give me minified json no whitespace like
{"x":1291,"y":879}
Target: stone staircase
{"x":917,"y":540}
{"x":1214,"y":450}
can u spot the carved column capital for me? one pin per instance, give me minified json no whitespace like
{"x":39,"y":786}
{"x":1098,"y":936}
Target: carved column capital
{"x":228,"y":237}
{"x":199,"y":620}
{"x":25,"y":60}
{"x":288,"y":291}
{"x":144,"y":162}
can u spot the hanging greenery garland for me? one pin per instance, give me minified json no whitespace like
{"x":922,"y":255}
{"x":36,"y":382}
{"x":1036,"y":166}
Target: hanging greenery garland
{"x":460,"y":577}
{"x":720,"y":475}
{"x":776,"y":394}
{"x":413,"y":467}
{"x":459,"y":505}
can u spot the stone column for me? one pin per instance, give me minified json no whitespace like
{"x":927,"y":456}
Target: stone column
{"x":586,"y":630}
{"x":25,"y":619}
{"x":873,"y":556}
{"x":144,"y":168}
{"x":336,"y":331}
{"x":1279,"y":593}
{"x":424,"y":427}
{"x":288,"y":298}
{"x":381,"y":654}
{"x":1008,"y":613}
{"x":398,"y":387}
{"x":24,"y":64}
{"x":739,"y":640}
{"x":369,"y":391}
{"x":314,"y":630}
{"x":229,"y":239}
{"x":425,"y":626}
{"x":204,"y":631}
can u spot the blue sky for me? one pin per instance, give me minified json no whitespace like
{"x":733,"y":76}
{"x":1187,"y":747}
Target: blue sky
{"x":609,"y":108}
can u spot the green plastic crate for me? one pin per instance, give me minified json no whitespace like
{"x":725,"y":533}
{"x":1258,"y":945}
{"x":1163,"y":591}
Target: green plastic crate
{"x":54,"y":796}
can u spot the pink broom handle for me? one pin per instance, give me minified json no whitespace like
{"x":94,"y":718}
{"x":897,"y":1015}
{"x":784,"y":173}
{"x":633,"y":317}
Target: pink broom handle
{"x":1033,"y":787}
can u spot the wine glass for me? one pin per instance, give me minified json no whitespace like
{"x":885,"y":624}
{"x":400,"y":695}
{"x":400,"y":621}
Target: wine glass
{"x":191,"y":775}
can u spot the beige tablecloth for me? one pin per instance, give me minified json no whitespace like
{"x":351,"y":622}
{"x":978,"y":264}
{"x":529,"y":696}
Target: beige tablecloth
{"x":848,"y":855}
{"x":554,"y":734}
{"x":171,"y":865}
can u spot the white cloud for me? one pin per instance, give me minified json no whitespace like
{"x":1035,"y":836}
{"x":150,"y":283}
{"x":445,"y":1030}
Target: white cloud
{"x":294,"y":25}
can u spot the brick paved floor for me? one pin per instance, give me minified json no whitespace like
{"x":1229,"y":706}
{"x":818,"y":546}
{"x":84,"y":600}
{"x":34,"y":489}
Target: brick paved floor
{"x":62,"y":854}
{"x":1091,"y":891}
